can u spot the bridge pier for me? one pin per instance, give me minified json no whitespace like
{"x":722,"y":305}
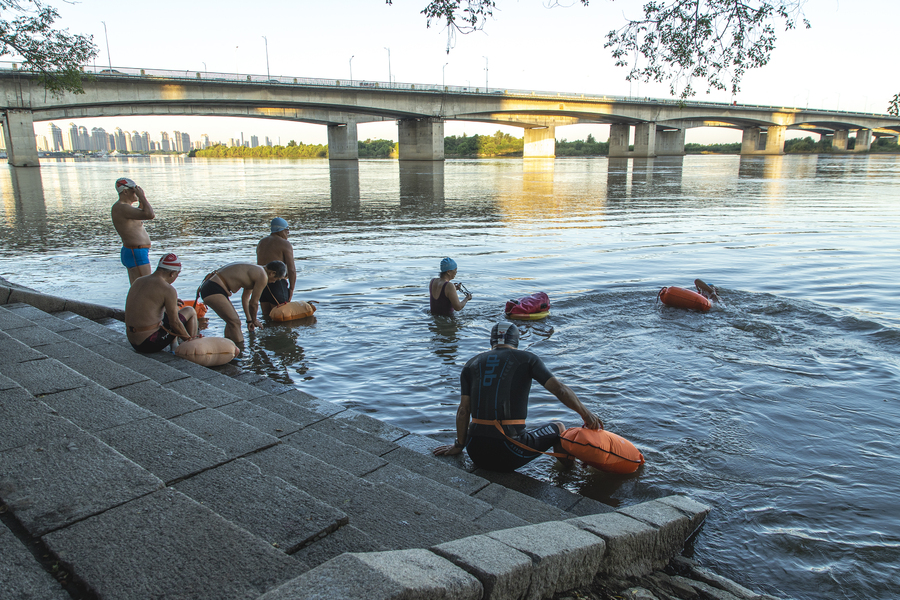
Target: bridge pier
{"x":839,"y":141}
{"x":644,"y":140}
{"x":18,"y":133}
{"x":863,"y":140}
{"x":421,"y":139}
{"x":343,"y":142}
{"x":540,"y":142}
{"x":755,"y":141}
{"x":670,"y":142}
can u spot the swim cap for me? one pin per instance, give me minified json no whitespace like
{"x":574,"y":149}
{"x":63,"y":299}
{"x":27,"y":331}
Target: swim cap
{"x":123,"y":183}
{"x":170,"y":262}
{"x":505,"y":333}
{"x":448,"y":264}
{"x":279,"y":224}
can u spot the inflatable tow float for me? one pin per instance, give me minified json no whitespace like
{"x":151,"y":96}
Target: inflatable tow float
{"x":292,"y":310}
{"x":208,"y":351}
{"x":681,"y":298}
{"x":529,"y":308}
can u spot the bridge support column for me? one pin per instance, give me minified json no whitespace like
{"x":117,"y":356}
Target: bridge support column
{"x":670,"y":143}
{"x":775,"y":140}
{"x":645,"y":140}
{"x":750,"y":140}
{"x":18,"y":132}
{"x":421,"y":139}
{"x":839,"y":141}
{"x":863,"y":140}
{"x":343,"y":142}
{"x":540,"y":142}
{"x":619,"y":140}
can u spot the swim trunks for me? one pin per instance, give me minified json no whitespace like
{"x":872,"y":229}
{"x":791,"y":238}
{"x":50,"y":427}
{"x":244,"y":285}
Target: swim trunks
{"x":275,"y":293}
{"x":135,"y":257}
{"x":159,"y":339}
{"x":211,"y":288}
{"x":499,"y":454}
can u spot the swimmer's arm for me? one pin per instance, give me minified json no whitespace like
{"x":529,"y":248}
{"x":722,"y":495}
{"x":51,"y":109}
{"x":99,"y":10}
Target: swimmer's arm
{"x":144,"y":204}
{"x":175,"y":324}
{"x":463,"y":415}
{"x":565,"y":395}
{"x":454,"y":298}
{"x":250,"y":300}
{"x":292,"y":270}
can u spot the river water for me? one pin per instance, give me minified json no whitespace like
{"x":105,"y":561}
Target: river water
{"x":778,"y":409}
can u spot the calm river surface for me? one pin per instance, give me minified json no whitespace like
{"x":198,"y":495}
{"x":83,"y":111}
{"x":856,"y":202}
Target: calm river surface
{"x":780,"y":410}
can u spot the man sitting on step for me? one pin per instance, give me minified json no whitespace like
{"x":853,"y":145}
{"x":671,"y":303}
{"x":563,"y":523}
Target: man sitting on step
{"x":495,"y":387}
{"x":152,"y":318}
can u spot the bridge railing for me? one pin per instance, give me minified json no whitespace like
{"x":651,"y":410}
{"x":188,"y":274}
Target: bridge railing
{"x":193,"y":75}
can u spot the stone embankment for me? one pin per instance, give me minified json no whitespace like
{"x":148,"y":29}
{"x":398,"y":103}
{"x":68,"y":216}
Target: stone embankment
{"x":128,"y":476}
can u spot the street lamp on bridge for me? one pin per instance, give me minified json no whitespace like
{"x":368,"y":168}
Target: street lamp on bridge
{"x":267,"y":57}
{"x":107,"y":44}
{"x":444,"y":76}
{"x":389,"y":65}
{"x":485,"y":72}
{"x":351,"y":69}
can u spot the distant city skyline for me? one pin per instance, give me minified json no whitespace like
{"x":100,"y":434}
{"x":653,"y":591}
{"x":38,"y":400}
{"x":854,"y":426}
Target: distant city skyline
{"x":77,"y":138}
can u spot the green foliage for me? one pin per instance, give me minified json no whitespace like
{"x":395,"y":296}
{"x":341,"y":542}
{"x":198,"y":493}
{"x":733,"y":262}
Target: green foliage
{"x":54,"y":55}
{"x":289,"y":151}
{"x":734,"y":148}
{"x":806,"y":145}
{"x":378,"y":149}
{"x":499,"y":144}
{"x":885,"y":145}
{"x":894,"y":106}
{"x":588,"y":147}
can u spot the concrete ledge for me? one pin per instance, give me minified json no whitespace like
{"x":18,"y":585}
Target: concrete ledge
{"x":51,"y":304}
{"x":504,"y":572}
{"x":21,"y":576}
{"x":406,"y":574}
{"x":631,"y":548}
{"x":563,"y":556}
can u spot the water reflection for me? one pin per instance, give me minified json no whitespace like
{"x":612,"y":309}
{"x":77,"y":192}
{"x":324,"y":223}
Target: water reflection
{"x":422,"y":184}
{"x":24,"y":205}
{"x":344,"y":175}
{"x":444,"y":338}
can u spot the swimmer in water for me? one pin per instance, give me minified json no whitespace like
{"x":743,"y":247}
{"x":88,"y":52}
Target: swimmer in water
{"x":707,"y":291}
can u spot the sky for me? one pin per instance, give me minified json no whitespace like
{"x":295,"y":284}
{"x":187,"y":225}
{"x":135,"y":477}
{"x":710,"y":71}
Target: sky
{"x":843,"y":62}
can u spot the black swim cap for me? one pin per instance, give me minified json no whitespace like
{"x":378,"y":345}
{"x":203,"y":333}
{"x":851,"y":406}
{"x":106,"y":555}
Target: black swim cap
{"x":505,"y":333}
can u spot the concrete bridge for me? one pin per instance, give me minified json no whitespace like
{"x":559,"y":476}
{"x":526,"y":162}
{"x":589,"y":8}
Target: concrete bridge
{"x":638,"y":127}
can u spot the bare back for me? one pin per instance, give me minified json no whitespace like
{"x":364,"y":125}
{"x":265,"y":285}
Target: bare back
{"x":250,"y":278}
{"x":146,"y":303}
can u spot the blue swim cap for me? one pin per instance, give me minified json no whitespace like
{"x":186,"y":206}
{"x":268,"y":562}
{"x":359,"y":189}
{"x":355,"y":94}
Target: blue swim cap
{"x":279,"y":224}
{"x":505,"y":333}
{"x":448,"y":264}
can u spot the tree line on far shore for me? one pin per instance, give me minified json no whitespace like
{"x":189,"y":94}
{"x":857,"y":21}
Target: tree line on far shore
{"x":503,"y":144}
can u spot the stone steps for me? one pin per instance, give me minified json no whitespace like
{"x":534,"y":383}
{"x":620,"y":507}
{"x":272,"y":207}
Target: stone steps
{"x":258,"y":464}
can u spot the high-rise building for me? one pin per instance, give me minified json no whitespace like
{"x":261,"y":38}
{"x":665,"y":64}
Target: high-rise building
{"x":164,"y":142}
{"x":73,"y":137}
{"x":56,"y":135}
{"x":99,"y":139}
{"x":185,"y":142}
{"x":129,"y":144}
{"x":204,"y":140}
{"x":137,"y":141}
{"x":145,"y":141}
{"x":268,"y":142}
{"x":254,"y":141}
{"x":121,"y":143}
{"x":112,"y":142}
{"x":84,"y":138}
{"x":42,"y":144}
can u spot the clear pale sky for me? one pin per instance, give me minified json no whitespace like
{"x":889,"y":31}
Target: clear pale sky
{"x":846,"y":61}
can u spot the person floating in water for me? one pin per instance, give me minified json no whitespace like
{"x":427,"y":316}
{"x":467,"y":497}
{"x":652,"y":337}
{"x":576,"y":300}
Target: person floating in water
{"x":129,"y":223}
{"x":218,"y":286}
{"x":494,"y":391}
{"x":152,"y":318}
{"x":276,"y":246}
{"x":707,"y":291}
{"x":443,"y":296}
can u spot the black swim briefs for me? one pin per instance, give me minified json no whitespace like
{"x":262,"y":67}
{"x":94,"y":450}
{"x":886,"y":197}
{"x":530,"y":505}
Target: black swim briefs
{"x":500,"y":454}
{"x":211,"y":288}
{"x":275,"y":293}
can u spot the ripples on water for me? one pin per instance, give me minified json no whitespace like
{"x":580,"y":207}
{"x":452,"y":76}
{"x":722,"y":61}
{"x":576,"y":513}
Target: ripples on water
{"x":779,"y":409}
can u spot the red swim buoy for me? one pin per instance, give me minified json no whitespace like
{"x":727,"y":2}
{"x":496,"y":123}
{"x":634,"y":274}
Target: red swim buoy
{"x":601,"y":449}
{"x":681,"y":298}
{"x":529,"y":308}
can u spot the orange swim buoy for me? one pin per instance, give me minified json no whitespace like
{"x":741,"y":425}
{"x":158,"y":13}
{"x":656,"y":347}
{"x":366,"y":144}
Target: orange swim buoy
{"x":292,"y":310}
{"x":681,"y":298}
{"x":200,"y":308}
{"x":602,"y":450}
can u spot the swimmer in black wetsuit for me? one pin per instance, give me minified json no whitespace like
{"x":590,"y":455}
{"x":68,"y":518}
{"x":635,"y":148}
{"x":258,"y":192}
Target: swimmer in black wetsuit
{"x":495,"y":387}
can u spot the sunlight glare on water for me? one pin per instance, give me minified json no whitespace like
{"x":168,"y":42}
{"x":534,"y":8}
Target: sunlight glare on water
{"x":778,"y":409}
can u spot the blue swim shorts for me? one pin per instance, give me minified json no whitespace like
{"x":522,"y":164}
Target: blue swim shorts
{"x":134,"y":257}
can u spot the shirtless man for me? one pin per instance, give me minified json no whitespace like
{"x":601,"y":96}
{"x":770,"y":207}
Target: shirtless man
{"x":151,"y":309}
{"x":129,"y":222}
{"x":277,"y":247}
{"x":221,"y":283}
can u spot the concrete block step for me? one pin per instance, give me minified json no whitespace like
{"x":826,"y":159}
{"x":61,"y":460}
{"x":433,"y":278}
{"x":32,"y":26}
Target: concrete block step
{"x":392,"y":517}
{"x":267,"y":506}
{"x":235,"y":437}
{"x":575,"y":504}
{"x":346,"y":539}
{"x":195,"y":554}
{"x":22,"y":576}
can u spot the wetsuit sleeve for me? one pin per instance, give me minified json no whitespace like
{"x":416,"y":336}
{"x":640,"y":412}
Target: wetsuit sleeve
{"x":465,"y":381}
{"x":539,"y":371}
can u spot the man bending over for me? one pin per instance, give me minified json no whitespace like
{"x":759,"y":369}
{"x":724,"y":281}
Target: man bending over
{"x":219,"y":285}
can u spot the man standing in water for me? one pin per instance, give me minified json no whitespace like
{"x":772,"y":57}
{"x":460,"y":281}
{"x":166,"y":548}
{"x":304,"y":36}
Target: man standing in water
{"x":495,"y":387}
{"x":152,"y":318}
{"x":218,"y":286}
{"x":129,"y":222}
{"x":276,"y":246}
